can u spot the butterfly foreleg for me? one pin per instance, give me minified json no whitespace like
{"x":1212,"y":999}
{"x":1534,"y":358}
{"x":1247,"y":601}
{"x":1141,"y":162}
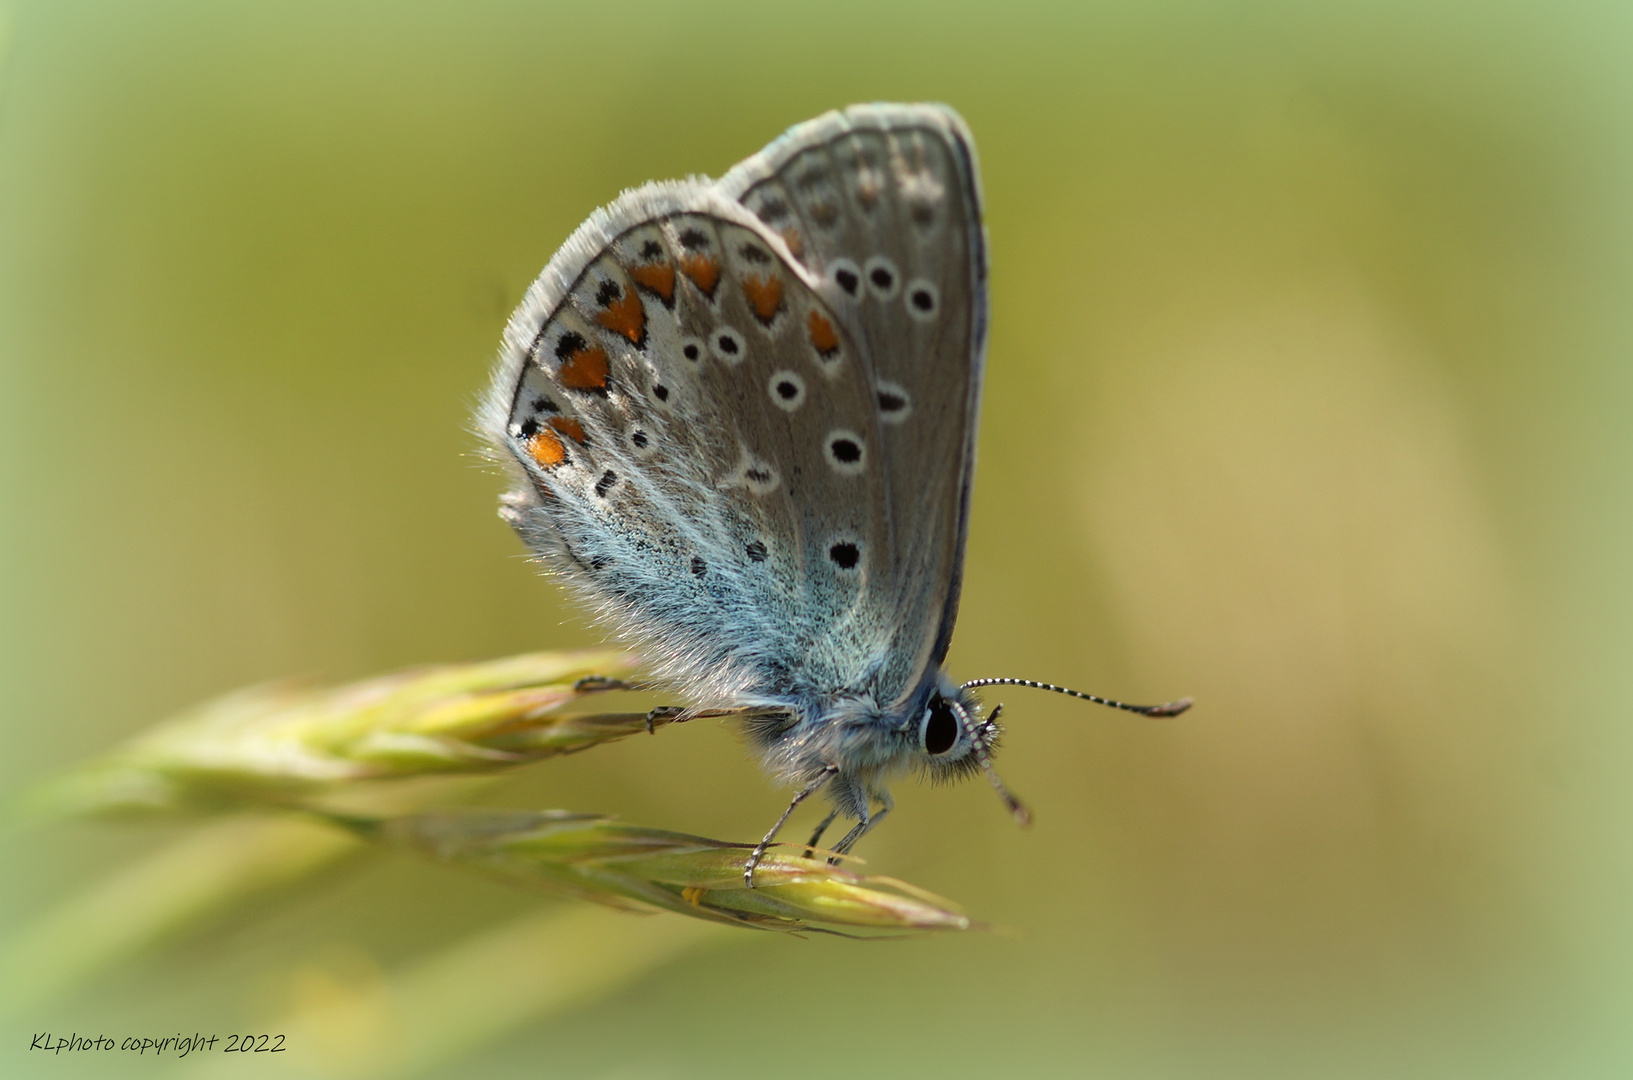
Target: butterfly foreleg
{"x":816,"y":837}
{"x":805,"y":793}
{"x":865,"y":824}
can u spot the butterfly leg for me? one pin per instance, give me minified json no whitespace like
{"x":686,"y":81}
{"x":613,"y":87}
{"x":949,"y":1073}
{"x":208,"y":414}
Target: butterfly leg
{"x":598,"y":684}
{"x":662,"y":712}
{"x":816,"y":837}
{"x":759,"y":849}
{"x":679,"y":714}
{"x":864,"y":826}
{"x":595,"y":684}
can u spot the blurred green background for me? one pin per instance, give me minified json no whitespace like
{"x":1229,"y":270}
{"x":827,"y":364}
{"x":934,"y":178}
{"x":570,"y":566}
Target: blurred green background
{"x":1309,"y":394}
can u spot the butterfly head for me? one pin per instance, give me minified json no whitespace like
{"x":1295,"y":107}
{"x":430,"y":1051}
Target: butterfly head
{"x":955,"y":739}
{"x":950,"y":730}
{"x":942,"y":732}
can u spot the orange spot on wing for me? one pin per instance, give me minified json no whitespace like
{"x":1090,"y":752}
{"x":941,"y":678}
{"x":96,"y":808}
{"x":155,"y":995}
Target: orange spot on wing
{"x":625,"y":316}
{"x":569,"y":427}
{"x":795,"y":242}
{"x":657,"y":277}
{"x":584,"y":370}
{"x":764,"y":295}
{"x":823,"y":335}
{"x":703,"y":270}
{"x":546,"y":449}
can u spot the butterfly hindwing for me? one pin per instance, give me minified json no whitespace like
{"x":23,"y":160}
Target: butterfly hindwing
{"x":881,"y":205}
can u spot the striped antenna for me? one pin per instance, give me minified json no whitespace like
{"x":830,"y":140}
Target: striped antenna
{"x":1172,"y":708}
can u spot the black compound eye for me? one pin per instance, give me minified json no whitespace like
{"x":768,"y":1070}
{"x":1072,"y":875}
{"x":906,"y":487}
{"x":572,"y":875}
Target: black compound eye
{"x":940,"y":731}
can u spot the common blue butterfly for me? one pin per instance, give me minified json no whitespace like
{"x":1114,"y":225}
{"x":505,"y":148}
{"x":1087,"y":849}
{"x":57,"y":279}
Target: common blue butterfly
{"x":739,"y":419}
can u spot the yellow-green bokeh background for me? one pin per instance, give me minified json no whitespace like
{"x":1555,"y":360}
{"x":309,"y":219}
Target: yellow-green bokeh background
{"x":1309,"y":394}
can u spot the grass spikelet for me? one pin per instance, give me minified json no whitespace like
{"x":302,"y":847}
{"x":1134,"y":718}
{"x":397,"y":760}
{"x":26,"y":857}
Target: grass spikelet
{"x":298,"y":756}
{"x":283,"y":745}
{"x":634,"y":867}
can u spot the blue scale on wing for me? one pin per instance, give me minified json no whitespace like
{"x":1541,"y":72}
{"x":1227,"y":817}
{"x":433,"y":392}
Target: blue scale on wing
{"x":739,"y":533}
{"x":883,"y":208}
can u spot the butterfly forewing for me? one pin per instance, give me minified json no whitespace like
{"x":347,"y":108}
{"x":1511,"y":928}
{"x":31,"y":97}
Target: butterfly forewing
{"x":700,"y":449}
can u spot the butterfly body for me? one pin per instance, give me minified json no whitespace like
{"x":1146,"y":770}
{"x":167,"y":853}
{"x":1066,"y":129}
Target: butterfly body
{"x":739,"y":420}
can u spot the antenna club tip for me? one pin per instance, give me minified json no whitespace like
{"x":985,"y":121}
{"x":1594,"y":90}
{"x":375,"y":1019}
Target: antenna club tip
{"x":1173,"y":708}
{"x":1023,"y":816}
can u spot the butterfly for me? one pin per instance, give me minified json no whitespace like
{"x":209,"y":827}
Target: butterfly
{"x":738,"y":419}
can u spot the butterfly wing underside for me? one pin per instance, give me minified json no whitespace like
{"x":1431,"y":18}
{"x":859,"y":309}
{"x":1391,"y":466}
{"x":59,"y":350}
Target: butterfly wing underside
{"x":707,"y":450}
{"x":881,"y":203}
